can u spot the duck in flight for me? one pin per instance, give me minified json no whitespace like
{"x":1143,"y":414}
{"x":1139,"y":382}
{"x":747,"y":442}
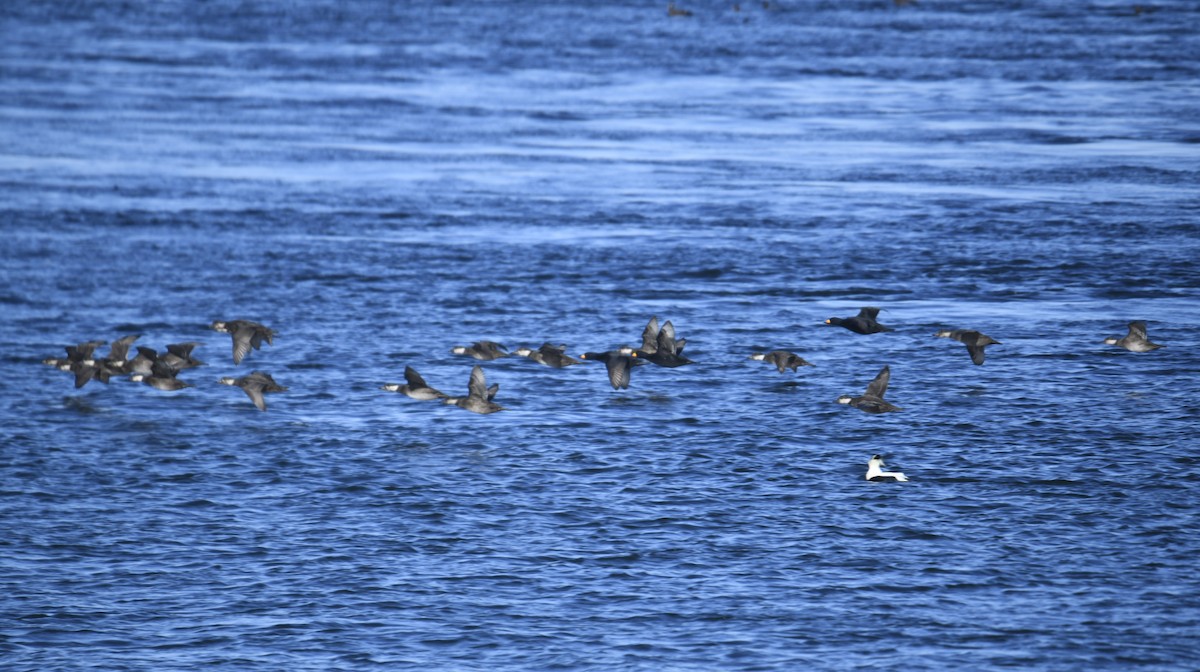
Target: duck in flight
{"x":782,"y":360}
{"x":548,"y":355}
{"x":245,"y":334}
{"x":619,"y":363}
{"x":863,"y":323}
{"x":481,"y":350}
{"x":660,"y":346}
{"x":974,"y":340}
{"x":872,"y":400}
{"x":479,"y":395}
{"x":414,"y":387}
{"x":254,"y":385}
{"x":1136,"y":340}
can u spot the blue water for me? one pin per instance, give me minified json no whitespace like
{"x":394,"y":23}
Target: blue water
{"x":380,"y":182}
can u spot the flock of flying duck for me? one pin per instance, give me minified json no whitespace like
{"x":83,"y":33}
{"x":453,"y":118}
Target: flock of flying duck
{"x":660,"y":346}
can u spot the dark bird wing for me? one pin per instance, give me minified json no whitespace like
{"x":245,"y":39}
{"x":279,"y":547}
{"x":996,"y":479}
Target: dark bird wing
{"x":267,"y":382}
{"x":1137,"y":330}
{"x":618,"y":371}
{"x":161,"y":369}
{"x":477,"y":385}
{"x":119,"y":351}
{"x":650,"y":335}
{"x":183,"y":350}
{"x":83,"y":373}
{"x":241,"y":343}
{"x":870,"y":312}
{"x":413,"y":378}
{"x":878,"y":386}
{"x":666,"y":339}
{"x":976,"y":351}
{"x":78,"y":353}
{"x":254,"y":389}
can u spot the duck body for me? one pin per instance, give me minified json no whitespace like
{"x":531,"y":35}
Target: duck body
{"x":782,"y":360}
{"x":974,"y":340}
{"x":863,"y":323}
{"x":1136,"y":340}
{"x":876,"y":473}
{"x":255,"y":384}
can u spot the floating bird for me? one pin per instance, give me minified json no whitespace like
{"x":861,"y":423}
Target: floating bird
{"x":872,"y":400}
{"x":782,"y":360}
{"x":875,"y":471}
{"x":415,"y":387}
{"x":479,"y":395}
{"x":618,"y":362}
{"x":1136,"y":340}
{"x":660,"y":345}
{"x":974,"y":341}
{"x":482,"y":350}
{"x":548,"y":355}
{"x":254,"y":385}
{"x":246,"y":335}
{"x":863,"y":323}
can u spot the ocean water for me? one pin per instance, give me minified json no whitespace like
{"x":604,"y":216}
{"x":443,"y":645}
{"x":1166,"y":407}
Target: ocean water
{"x":380,"y":182}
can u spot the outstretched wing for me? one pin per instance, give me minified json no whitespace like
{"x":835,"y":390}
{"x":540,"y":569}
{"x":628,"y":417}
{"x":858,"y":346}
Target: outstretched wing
{"x":650,"y":335}
{"x":241,"y":343}
{"x":119,"y":350}
{"x":976,"y":351}
{"x":254,"y":390}
{"x":666,"y":338}
{"x":477,"y":386}
{"x":618,"y":371}
{"x":413,"y":378}
{"x":878,"y":386}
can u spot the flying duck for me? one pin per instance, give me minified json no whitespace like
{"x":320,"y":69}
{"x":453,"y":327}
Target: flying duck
{"x":245,"y":334}
{"x":863,"y":323}
{"x":415,"y":387}
{"x":548,"y":355}
{"x":619,"y":364}
{"x":479,"y":395}
{"x":660,"y":345}
{"x":254,"y":385}
{"x":1136,"y":340}
{"x":481,"y":350}
{"x":782,"y":360}
{"x":872,"y":400}
{"x":974,"y":341}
